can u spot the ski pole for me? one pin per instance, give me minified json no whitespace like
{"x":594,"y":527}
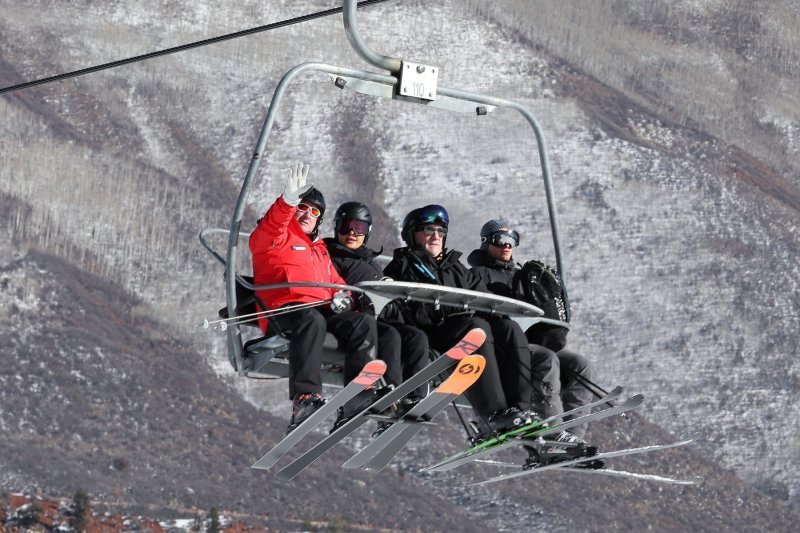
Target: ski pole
{"x":236,"y":320}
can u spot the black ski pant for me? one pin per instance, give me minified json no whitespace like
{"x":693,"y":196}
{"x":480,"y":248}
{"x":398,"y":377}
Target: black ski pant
{"x":404,"y":349}
{"x":305,"y":329}
{"x":576,"y":371}
{"x":499,"y":385}
{"x":556,"y":383}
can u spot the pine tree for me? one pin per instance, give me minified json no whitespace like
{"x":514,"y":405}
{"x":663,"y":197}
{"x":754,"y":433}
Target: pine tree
{"x":81,"y":511}
{"x":213,"y":521}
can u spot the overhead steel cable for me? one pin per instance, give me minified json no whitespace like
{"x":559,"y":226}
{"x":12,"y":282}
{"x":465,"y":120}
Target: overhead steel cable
{"x":181,"y":48}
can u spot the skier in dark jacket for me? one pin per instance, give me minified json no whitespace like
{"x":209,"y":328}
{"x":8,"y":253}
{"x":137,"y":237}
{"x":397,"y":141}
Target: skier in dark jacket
{"x":402,"y":347}
{"x":553,"y":371}
{"x":285,"y":248}
{"x":502,"y":394}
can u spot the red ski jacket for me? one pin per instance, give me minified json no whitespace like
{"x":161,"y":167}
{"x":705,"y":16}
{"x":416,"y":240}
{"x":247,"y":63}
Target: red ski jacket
{"x":283,"y":253}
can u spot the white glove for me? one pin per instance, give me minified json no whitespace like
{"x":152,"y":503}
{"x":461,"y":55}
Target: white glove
{"x":341,"y":302}
{"x":296,"y":184}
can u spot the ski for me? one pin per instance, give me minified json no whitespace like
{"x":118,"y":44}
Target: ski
{"x":379,"y":453}
{"x":372,"y":372}
{"x":527,"y":470}
{"x":466,"y":346}
{"x":695,"y":480}
{"x":537,"y":429}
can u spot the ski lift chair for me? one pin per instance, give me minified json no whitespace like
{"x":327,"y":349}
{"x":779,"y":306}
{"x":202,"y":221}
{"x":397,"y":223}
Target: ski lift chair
{"x":405,"y":81}
{"x":266,"y":356}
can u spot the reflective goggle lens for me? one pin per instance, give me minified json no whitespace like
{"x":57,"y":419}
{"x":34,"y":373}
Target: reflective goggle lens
{"x":505,"y":238}
{"x":315,"y":211}
{"x":359,"y":227}
{"x":433,"y":213}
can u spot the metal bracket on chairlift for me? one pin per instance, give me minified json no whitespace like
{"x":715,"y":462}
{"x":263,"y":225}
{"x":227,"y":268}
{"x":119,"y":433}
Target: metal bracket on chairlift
{"x":384,"y":90}
{"x":418,"y":81}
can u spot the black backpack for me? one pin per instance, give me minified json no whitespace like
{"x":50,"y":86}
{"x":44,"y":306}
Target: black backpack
{"x":540,"y":285}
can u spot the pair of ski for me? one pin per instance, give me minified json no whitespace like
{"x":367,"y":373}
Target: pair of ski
{"x":539,"y":429}
{"x":533,"y":434}
{"x":468,"y":370}
{"x":576,"y":465}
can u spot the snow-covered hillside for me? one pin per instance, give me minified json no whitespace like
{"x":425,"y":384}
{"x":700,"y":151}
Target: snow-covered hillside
{"x":682,"y":269}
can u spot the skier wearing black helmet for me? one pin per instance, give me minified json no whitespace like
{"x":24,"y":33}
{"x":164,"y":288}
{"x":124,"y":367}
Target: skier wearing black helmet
{"x":286,"y":248}
{"x":404,"y":348}
{"x":502,"y":394}
{"x":558,"y":374}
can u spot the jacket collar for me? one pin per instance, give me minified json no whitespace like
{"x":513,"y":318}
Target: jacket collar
{"x":340,"y":250}
{"x":482,"y":258}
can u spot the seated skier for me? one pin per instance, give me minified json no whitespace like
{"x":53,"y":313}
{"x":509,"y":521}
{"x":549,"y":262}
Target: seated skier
{"x":402,"y":347}
{"x":502,"y":393}
{"x":286,"y":248}
{"x":557,"y":374}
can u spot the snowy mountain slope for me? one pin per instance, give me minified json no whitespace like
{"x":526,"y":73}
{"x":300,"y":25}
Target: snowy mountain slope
{"x":682,"y":271}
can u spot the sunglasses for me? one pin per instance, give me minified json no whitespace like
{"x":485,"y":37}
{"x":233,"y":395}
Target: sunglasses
{"x":359,"y":227}
{"x":430,"y":230}
{"x":315,"y":211}
{"x":504,"y":238}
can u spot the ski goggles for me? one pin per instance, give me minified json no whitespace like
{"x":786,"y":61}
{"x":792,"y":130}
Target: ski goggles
{"x":432,"y":214}
{"x":359,"y":227}
{"x":314,"y":211}
{"x":429,"y":231}
{"x":504,"y":238}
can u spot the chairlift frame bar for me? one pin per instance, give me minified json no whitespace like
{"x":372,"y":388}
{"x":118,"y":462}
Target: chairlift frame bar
{"x":234,"y":336}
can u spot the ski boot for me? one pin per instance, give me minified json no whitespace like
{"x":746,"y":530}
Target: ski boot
{"x":303,"y":406}
{"x":397,"y":410}
{"x":512,"y":418}
{"x":503,"y":422}
{"x":508,"y":419}
{"x":361,"y":401}
{"x":565,"y":446}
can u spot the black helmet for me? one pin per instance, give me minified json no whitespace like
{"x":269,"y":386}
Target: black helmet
{"x":353,"y":211}
{"x":430,"y":214}
{"x":314,"y":196}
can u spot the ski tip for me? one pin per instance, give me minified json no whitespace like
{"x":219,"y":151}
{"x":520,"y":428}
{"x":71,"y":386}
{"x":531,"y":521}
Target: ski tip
{"x":371,"y":372}
{"x":476,"y":335}
{"x":258,"y":465}
{"x":635,"y":400}
{"x":473,"y":340}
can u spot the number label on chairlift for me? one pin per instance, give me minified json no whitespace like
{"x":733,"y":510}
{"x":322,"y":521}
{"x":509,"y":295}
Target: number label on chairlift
{"x":419,"y":81}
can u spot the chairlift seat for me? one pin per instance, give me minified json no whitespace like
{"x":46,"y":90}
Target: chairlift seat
{"x":268,"y":357}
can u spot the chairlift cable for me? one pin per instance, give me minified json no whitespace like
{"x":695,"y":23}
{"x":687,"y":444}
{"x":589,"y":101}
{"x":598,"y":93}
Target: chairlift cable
{"x":181,"y":48}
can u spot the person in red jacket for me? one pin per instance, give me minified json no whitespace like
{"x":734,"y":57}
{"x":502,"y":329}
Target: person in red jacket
{"x":286,"y":248}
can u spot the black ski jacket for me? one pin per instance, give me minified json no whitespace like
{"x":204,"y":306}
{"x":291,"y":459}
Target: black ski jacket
{"x":419,"y":267}
{"x":355,"y":266}
{"x":496,"y":274}
{"x":499,"y":278}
